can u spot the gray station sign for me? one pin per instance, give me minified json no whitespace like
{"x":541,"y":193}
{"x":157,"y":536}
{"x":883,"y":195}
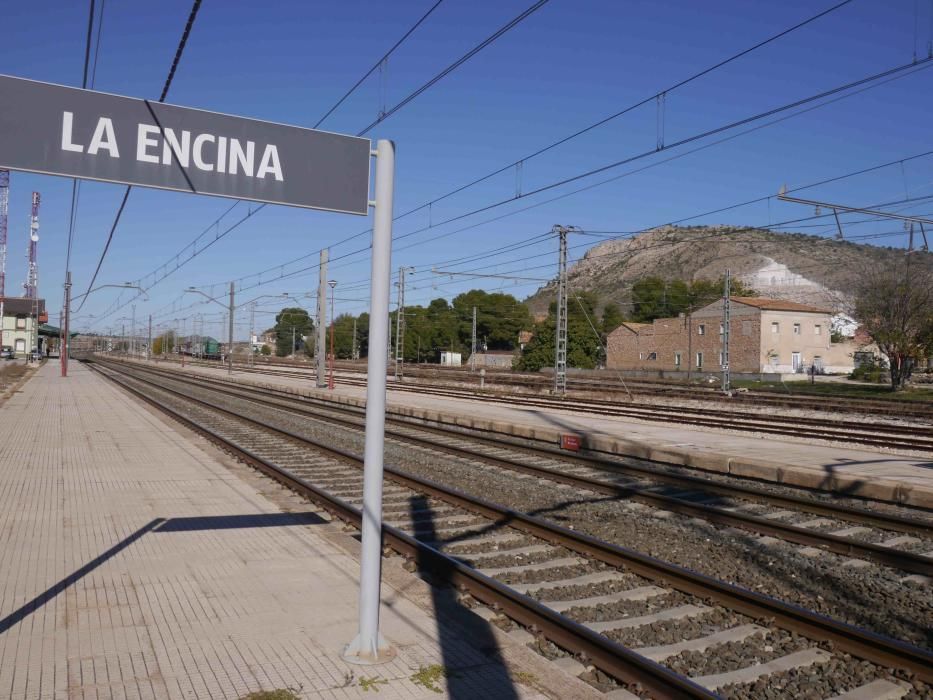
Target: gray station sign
{"x":66,"y":131}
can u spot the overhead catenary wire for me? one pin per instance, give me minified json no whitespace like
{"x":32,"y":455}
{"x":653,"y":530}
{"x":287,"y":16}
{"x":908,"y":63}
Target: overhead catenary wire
{"x":378,"y":63}
{"x":385,"y":114}
{"x":463,"y":59}
{"x":547,"y":187}
{"x":183,"y":42}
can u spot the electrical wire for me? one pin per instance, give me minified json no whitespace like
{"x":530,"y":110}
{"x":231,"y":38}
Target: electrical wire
{"x":378,"y":63}
{"x":456,"y":64}
{"x":192,"y":15}
{"x":540,"y":151}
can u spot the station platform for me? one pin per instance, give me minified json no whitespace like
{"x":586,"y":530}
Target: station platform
{"x":865,"y":472}
{"x":136,"y":561}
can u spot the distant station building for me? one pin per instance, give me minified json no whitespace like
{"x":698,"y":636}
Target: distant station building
{"x":766,"y":336}
{"x":24,"y":326}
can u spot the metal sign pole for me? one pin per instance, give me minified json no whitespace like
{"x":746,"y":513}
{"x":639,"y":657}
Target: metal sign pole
{"x":369,"y":647}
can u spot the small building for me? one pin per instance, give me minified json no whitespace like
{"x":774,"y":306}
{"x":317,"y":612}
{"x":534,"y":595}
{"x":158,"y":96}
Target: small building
{"x":21,"y":320}
{"x":766,"y":336}
{"x":451,"y":359}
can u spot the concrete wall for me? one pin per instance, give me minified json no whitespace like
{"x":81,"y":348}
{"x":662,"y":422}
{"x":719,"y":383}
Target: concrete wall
{"x":494,"y":360}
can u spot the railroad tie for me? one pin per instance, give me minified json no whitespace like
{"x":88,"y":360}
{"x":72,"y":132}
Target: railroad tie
{"x":749,"y":674}
{"x":679,"y":613}
{"x":521,"y":551}
{"x":900,"y":541}
{"x":850,"y":531}
{"x":585,"y":580}
{"x":640,"y":593}
{"x":876,"y":690}
{"x":518,"y":569}
{"x":733,"y":634}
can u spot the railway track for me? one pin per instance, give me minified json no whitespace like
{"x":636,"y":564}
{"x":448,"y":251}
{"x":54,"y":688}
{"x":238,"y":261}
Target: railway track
{"x":616,"y":391}
{"x":876,"y":434}
{"x":582,"y":594}
{"x":891,"y":540}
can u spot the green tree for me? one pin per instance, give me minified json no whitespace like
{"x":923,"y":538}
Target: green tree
{"x":894,"y":303}
{"x":584,"y":343}
{"x":291,"y":323}
{"x":265,"y":350}
{"x":654,"y":297}
{"x":612,"y":318}
{"x":499,"y":319}
{"x":164,"y":343}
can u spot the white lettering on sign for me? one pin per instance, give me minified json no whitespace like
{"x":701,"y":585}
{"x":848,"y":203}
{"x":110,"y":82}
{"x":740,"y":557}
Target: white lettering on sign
{"x":207,"y":152}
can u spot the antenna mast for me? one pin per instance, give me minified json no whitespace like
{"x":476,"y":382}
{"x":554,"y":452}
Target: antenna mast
{"x":32,"y":278}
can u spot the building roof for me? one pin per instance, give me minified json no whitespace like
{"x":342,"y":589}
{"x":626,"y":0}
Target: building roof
{"x":21,"y":305}
{"x":766,"y":304}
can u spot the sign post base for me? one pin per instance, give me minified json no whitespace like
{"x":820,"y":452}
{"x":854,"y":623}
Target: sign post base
{"x":355,"y":654}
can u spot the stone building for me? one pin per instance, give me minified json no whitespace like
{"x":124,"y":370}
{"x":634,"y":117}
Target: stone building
{"x":766,"y":336}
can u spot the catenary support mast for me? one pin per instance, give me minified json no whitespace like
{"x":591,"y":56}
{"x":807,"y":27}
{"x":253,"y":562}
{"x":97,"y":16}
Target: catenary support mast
{"x":321,"y":345}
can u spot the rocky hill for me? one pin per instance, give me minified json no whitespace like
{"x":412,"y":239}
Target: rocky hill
{"x":791,"y":266}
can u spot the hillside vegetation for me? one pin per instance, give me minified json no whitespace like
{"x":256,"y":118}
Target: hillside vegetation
{"x":792,"y":266}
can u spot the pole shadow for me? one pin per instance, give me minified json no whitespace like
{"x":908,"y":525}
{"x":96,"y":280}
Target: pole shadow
{"x":459,"y":631}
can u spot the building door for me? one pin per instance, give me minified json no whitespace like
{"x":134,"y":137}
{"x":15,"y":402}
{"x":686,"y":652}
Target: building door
{"x":20,"y":346}
{"x":795,"y":361}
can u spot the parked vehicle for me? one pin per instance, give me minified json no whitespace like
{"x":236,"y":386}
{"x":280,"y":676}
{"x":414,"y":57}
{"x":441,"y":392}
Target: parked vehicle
{"x":6,"y":353}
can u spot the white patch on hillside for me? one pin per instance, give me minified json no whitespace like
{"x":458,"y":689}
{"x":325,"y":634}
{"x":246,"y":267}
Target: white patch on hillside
{"x":777,"y":281}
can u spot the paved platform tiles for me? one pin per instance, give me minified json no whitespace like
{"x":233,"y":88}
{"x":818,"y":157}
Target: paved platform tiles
{"x":871,"y":473}
{"x":135,"y":564}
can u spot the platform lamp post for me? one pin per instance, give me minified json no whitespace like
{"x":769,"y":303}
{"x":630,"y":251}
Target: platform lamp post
{"x":330,"y":379}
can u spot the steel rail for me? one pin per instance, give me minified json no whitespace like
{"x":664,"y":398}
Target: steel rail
{"x":613,"y":658}
{"x":918,"y":409}
{"x":875,"y":519}
{"x":887,"y":435}
{"x":847,"y":638}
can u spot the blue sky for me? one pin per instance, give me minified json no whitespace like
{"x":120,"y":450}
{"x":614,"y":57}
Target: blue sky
{"x":567,"y":66}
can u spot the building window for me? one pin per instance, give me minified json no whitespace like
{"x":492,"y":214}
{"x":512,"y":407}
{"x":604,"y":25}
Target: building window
{"x":699,"y":360}
{"x":641,"y":356}
{"x":652,"y":356}
{"x":20,"y":323}
{"x":676,"y":359}
{"x":796,"y":329}
{"x":701,"y":329}
{"x":775,"y":327}
{"x":746,"y":327}
{"x":720,"y":358}
{"x":817,"y":329}
{"x":721,"y":331}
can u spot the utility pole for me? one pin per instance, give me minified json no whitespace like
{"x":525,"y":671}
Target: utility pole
{"x":133,"y":333}
{"x":252,"y":330}
{"x":726,"y":292}
{"x":400,"y":324}
{"x":230,"y":335}
{"x":321,"y":344}
{"x":149,"y":345}
{"x":353,"y":351}
{"x":473,"y":344}
{"x":560,"y":328}
{"x":65,"y":343}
